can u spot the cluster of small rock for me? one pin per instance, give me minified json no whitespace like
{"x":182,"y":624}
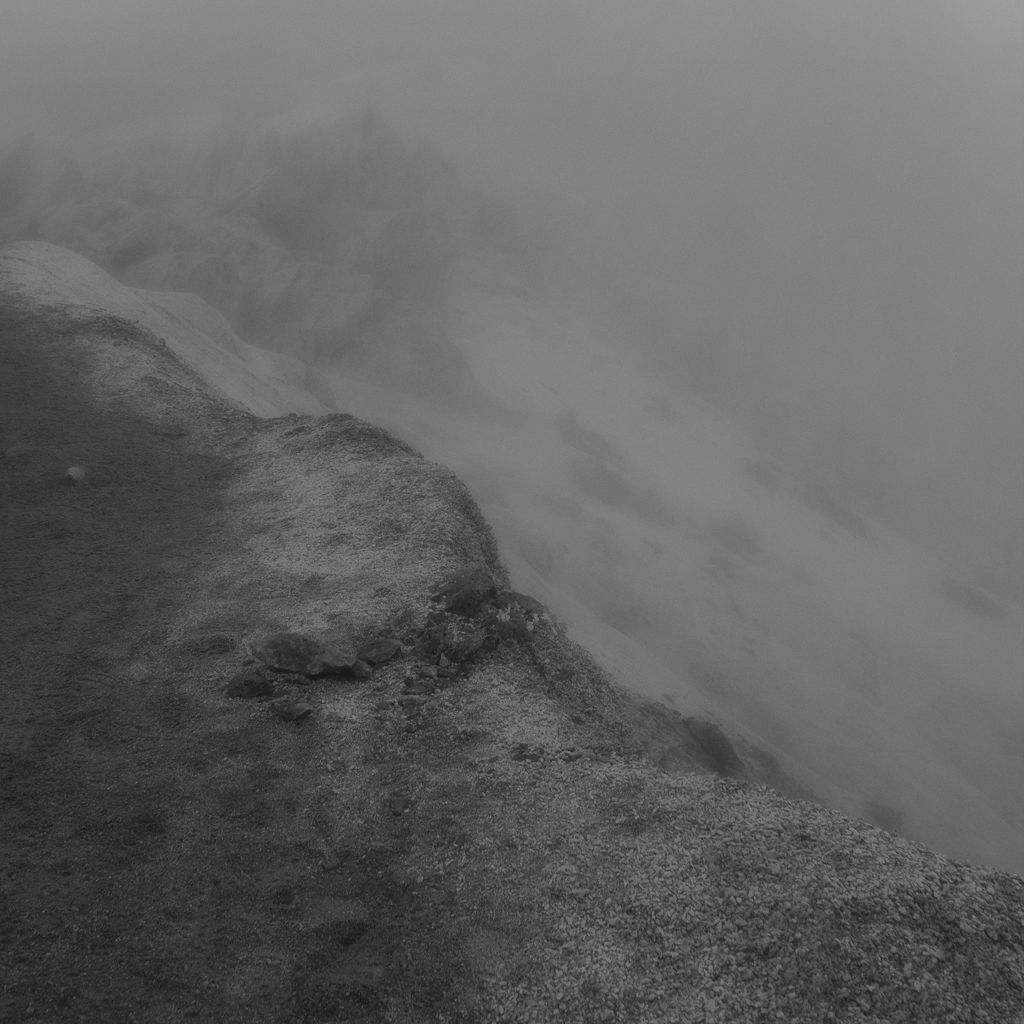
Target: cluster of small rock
{"x":296,"y":658}
{"x":469,"y":614}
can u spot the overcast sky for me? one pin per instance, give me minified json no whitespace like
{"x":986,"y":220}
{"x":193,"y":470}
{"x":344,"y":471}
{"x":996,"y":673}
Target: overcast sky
{"x":790,"y":145}
{"x":94,"y":63}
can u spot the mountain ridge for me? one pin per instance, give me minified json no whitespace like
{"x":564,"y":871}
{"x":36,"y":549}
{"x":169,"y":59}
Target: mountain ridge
{"x":503,"y":846}
{"x":696,"y":569}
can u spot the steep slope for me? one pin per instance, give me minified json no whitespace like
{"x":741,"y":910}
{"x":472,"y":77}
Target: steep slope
{"x":692,"y":566}
{"x":696,"y":571}
{"x":706,"y":575}
{"x":475,"y":832}
{"x":881,"y":680}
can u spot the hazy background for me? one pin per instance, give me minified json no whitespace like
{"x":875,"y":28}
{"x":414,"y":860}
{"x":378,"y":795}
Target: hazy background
{"x":820,"y":203}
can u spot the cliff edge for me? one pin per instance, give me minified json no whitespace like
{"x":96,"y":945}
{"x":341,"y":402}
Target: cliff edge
{"x":279,"y":744}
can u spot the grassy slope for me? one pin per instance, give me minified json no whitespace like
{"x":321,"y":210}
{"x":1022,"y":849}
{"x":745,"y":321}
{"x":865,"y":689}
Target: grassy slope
{"x":172,"y":854}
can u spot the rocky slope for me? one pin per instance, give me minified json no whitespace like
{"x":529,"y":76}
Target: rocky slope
{"x":441,"y":811}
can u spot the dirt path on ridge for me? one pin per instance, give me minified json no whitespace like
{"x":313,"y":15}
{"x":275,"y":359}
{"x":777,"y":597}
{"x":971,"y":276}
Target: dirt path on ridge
{"x":153,"y":843}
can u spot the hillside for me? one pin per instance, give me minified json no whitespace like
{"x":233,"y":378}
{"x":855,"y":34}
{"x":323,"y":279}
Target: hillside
{"x":769,"y":595}
{"x":782,"y":596}
{"x":470,"y":823}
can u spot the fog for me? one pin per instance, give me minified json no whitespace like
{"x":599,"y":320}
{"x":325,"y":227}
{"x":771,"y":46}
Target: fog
{"x":823,"y":200}
{"x":792,"y":229}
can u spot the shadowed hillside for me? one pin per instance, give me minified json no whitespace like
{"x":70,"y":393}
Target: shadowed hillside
{"x":279,"y":742}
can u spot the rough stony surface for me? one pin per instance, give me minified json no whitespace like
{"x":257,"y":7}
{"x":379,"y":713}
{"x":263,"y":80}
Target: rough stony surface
{"x":486,"y":829}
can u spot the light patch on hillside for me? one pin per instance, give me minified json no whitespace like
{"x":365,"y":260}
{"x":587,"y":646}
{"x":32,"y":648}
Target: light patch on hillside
{"x":262,"y":382}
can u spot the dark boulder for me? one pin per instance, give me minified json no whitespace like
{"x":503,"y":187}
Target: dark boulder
{"x":287,"y":652}
{"x":377,"y":652}
{"x":466,"y":593}
{"x":335,"y":661}
{"x":301,"y":655}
